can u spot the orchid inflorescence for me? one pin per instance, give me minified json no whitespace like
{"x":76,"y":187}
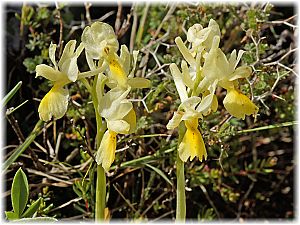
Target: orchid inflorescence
{"x":204,"y":68}
{"x":114,"y":71}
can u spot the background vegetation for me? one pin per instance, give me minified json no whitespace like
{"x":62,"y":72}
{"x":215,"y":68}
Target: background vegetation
{"x":250,"y":168}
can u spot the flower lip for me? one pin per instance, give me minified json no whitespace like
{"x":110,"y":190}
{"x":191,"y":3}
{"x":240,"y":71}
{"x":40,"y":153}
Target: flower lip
{"x":192,"y":144}
{"x":238,"y":104}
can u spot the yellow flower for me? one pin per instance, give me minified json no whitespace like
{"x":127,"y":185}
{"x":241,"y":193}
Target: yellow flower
{"x":97,"y":37}
{"x":121,"y":69}
{"x":120,"y":118}
{"x":225,"y":73}
{"x":218,"y":68}
{"x":55,"y":102}
{"x":200,"y":38}
{"x":189,"y":111}
{"x":238,"y":104}
{"x":106,"y":152}
{"x":192,"y":144}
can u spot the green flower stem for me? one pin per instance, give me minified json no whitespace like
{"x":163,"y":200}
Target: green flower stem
{"x":100,"y":194}
{"x":101,"y":178}
{"x":180,"y":203}
{"x":180,"y":192}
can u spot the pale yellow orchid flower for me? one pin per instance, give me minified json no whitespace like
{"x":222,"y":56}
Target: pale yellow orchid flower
{"x":121,"y":69}
{"x":189,"y":111}
{"x":55,"y":102}
{"x":201,"y":39}
{"x":120,"y":118}
{"x":238,"y":104}
{"x":97,"y":37}
{"x":217,"y":69}
{"x":184,"y":82}
{"x":192,"y":143}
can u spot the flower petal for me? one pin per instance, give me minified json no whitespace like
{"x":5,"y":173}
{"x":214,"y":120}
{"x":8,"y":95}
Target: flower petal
{"x":79,"y":49}
{"x":232,"y":59}
{"x":241,"y":72}
{"x":139,"y":82}
{"x":106,"y":153}
{"x":189,"y":108}
{"x":214,"y":105}
{"x":101,"y":80}
{"x":191,"y":114}
{"x":90,"y":61}
{"x":125,"y":58}
{"x":114,"y":105}
{"x":194,"y":32}
{"x":70,"y":68}
{"x":216,"y":66}
{"x":190,"y":103}
{"x":117,"y":72}
{"x":238,"y":104}
{"x":185,"y":52}
{"x":186,"y":75}
{"x":52,"y":50}
{"x":130,"y":118}
{"x":207,"y":101}
{"x":68,"y":61}
{"x":177,"y":76}
{"x":175,"y":121}
{"x":240,"y":54}
{"x":118,"y":126}
{"x":214,"y":31}
{"x":49,"y":73}
{"x":134,"y":57}
{"x":54,"y":103}
{"x":68,"y":52}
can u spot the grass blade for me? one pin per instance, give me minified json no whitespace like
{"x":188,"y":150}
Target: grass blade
{"x":10,"y":94}
{"x":159,"y":172}
{"x":38,"y":127}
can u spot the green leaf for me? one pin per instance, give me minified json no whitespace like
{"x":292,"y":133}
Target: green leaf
{"x":32,"y":209}
{"x":19,"y":192}
{"x":161,"y":173}
{"x":11,"y":215}
{"x":35,"y":220}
